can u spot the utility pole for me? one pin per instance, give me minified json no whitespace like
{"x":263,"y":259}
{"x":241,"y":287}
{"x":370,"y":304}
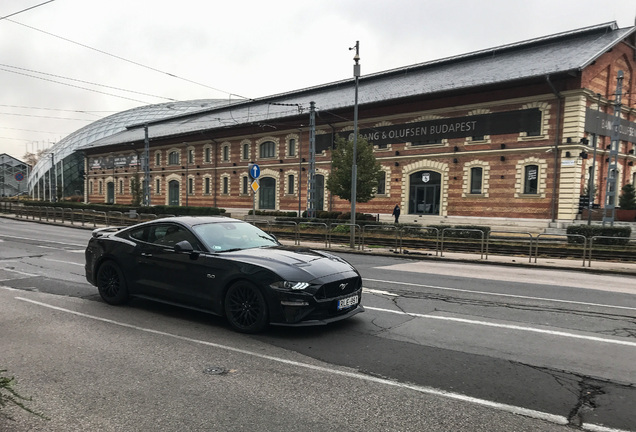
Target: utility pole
{"x":591,"y":187}
{"x":311,"y":176}
{"x":146,"y":166}
{"x":609,"y":209}
{"x":354,"y":166}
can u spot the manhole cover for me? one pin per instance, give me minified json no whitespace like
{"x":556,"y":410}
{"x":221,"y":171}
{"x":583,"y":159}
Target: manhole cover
{"x":214,"y":370}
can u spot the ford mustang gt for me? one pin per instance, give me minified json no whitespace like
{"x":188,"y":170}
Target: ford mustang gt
{"x":223,"y":266}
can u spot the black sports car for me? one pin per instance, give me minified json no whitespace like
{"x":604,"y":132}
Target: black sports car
{"x":223,"y":266}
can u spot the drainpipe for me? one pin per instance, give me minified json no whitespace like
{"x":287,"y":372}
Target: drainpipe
{"x":556,"y":148}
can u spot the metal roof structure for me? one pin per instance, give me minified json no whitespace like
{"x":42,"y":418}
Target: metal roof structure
{"x":111,"y":125}
{"x":560,"y":53}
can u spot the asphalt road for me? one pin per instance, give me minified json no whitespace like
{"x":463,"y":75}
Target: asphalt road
{"x":442,"y":347}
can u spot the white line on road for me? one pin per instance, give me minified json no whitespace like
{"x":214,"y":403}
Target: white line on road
{"x":502,"y":295}
{"x":506,"y":326}
{"x":64,"y":262}
{"x":39,"y":240}
{"x":553,"y":418}
{"x":20,"y":272}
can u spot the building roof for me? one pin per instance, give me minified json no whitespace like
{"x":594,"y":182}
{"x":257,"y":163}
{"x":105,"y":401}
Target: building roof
{"x":549,"y":55}
{"x":112,"y":124}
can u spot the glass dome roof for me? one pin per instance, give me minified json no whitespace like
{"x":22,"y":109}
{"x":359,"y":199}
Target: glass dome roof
{"x":107,"y":126}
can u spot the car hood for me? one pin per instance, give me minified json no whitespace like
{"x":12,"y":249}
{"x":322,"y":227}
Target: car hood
{"x":303,"y":265}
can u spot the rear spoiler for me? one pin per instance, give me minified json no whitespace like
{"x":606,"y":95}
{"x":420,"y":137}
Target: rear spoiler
{"x":99,"y":232}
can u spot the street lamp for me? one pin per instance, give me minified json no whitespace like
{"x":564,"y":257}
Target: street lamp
{"x":354,"y":166}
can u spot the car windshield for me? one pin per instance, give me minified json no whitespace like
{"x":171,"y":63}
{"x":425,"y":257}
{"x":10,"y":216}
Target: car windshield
{"x":230,"y":236}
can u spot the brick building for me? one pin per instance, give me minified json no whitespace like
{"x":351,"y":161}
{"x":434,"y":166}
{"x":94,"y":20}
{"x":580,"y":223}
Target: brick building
{"x":506,"y":132}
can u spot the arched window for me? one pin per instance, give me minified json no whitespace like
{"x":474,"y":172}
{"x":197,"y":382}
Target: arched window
{"x":173,"y":158}
{"x":226,"y":153}
{"x":268,"y":149}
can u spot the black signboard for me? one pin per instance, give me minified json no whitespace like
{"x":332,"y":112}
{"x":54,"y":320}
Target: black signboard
{"x":431,"y":131}
{"x":601,"y":123}
{"x":110,"y":162}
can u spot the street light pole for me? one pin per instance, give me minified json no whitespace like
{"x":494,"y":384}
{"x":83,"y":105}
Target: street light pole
{"x":354,"y":166}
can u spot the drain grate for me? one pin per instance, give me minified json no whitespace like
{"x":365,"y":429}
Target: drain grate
{"x":214,"y":370}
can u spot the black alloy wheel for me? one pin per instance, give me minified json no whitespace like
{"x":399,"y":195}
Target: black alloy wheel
{"x":111,"y":284}
{"x":245,"y":308}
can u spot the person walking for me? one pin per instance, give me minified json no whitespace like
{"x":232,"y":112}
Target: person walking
{"x":396,"y":212}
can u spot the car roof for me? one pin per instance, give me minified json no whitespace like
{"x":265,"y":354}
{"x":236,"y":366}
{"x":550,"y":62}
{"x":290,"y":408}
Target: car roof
{"x":191,"y":221}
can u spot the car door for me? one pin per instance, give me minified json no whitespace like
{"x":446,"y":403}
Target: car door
{"x":180,"y":277}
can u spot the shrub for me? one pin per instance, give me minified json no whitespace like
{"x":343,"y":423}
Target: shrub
{"x":590,"y":231}
{"x":627,"y":200}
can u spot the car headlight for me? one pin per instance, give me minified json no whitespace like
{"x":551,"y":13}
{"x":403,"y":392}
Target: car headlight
{"x":294,"y":286}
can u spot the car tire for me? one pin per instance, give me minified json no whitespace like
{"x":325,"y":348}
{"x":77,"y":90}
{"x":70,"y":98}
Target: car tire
{"x":245,"y":308}
{"x":111,"y":284}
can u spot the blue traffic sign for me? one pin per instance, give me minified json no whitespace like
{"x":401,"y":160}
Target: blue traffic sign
{"x":19,"y":176}
{"x":255,"y":171}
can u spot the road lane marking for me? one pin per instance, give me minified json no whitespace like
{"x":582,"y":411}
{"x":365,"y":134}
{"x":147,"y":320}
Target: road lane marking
{"x":64,"y":262}
{"x":20,"y":272}
{"x":506,"y":326}
{"x":375,"y":291}
{"x":40,"y":240}
{"x":553,"y":418}
{"x":502,"y":295}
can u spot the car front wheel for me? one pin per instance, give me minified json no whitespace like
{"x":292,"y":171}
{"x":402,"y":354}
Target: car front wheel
{"x":245,"y":308}
{"x":111,"y":284}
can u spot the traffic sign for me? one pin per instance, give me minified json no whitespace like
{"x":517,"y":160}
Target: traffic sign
{"x":255,"y":186}
{"x":19,"y":176}
{"x":255,"y":171}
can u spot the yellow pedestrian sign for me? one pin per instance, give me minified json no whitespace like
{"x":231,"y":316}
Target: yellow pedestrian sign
{"x":255,"y":186}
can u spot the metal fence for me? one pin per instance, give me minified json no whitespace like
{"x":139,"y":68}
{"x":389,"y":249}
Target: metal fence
{"x":365,"y":237}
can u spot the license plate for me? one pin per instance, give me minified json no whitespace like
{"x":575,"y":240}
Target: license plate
{"x":347,"y":302}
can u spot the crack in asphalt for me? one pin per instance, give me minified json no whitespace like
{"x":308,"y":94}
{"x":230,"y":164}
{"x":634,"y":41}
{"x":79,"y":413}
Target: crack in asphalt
{"x":629,"y":332}
{"x":585,"y":388}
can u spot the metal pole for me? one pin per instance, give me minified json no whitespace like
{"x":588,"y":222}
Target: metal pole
{"x":300,"y":170}
{"x":591,"y":186}
{"x":354,"y":166}
{"x":146,"y":167}
{"x":186,"y":173}
{"x":311,"y":176}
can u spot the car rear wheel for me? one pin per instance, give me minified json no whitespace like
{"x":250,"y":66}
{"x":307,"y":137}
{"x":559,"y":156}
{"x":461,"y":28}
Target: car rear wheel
{"x":111,"y":284}
{"x":245,"y":308}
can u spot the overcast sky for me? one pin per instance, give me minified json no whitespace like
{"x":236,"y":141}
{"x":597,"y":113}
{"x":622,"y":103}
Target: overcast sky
{"x":251,"y":48}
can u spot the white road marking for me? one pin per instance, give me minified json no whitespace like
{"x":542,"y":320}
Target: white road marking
{"x":507,"y":326}
{"x":553,"y":418}
{"x":20,"y":272}
{"x":375,"y":291}
{"x":571,"y":278}
{"x":39,"y":240}
{"x":503,"y":295}
{"x":64,"y":262}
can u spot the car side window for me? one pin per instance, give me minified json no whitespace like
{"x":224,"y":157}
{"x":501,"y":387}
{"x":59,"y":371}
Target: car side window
{"x":139,"y":234}
{"x":170,"y":235}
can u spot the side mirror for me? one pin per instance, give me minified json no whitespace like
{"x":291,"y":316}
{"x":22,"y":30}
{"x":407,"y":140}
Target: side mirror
{"x":183,"y":246}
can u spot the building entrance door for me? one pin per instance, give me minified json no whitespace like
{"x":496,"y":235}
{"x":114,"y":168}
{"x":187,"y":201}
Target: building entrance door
{"x":267,"y":195}
{"x":173,"y":193}
{"x":424,"y":195}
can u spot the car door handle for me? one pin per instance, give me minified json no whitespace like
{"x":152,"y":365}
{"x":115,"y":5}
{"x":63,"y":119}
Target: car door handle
{"x":145,"y":254}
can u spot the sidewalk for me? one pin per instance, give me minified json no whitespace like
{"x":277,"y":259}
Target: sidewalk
{"x":608,"y":267}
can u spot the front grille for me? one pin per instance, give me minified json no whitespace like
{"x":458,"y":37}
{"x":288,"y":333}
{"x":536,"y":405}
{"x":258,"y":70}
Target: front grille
{"x":335,"y":289}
